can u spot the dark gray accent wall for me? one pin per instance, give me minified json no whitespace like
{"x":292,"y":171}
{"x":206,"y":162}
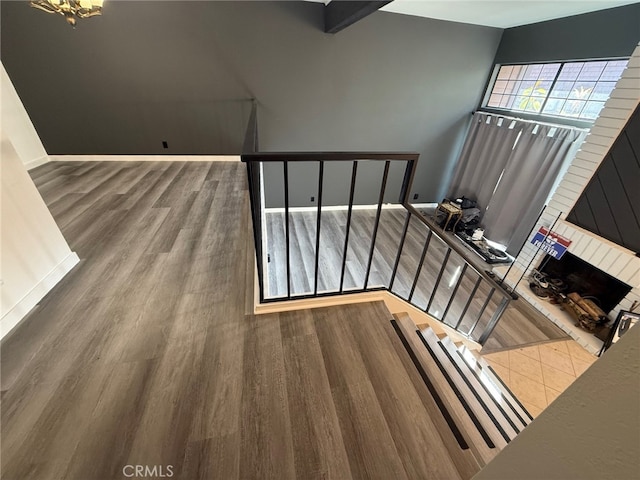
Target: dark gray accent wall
{"x":610,"y":205}
{"x":145,"y":72}
{"x":614,"y":32}
{"x":336,"y":185}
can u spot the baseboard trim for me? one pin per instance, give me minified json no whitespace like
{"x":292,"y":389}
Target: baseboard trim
{"x":37,"y":162}
{"x":13,"y":317}
{"x":424,"y":205}
{"x":336,"y":208}
{"x":333,"y":208}
{"x":144,"y":158}
{"x":303,"y":304}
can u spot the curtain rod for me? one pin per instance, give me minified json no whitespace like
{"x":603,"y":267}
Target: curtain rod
{"x":518,"y":119}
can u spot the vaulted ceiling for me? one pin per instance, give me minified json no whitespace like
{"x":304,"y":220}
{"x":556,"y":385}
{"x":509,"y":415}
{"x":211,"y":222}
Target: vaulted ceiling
{"x":500,"y":13}
{"x":491,"y":13}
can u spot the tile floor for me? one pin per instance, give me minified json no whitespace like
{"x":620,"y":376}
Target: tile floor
{"x":539,"y":373}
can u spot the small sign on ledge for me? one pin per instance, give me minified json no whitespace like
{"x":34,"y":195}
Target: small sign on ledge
{"x":551,"y":243}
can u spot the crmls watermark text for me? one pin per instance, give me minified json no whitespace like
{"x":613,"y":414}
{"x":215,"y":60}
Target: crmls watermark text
{"x":142,"y":471}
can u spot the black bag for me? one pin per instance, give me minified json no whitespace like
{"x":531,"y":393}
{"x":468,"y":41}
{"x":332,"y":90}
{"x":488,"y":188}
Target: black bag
{"x":468,"y":203}
{"x":468,"y":227}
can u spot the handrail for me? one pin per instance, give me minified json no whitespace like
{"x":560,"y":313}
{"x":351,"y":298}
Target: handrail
{"x":327,"y":156}
{"x":457,"y":248}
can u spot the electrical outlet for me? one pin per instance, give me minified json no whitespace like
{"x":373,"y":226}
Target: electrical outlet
{"x":165,"y":144}
{"x":313,"y":199}
{"x":415,"y":196}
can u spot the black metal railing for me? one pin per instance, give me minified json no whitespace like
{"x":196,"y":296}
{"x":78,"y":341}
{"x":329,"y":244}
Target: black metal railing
{"x":404,"y":253}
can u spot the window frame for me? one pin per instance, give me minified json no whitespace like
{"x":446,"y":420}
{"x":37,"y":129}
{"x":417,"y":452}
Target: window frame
{"x":560,"y":120}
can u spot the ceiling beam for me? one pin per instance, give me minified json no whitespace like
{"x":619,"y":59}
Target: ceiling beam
{"x":340,"y":14}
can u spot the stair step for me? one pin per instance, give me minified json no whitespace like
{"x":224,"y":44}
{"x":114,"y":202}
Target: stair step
{"x":495,"y":405}
{"x":503,"y":396}
{"x":474,"y":401}
{"x":454,"y":409}
{"x":474,"y":360}
{"x":441,"y":329}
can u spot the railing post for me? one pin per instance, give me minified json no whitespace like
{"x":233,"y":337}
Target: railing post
{"x":407,"y":181}
{"x":466,"y":307}
{"x":254,"y":200}
{"x":285,"y":167}
{"x":383,"y":187}
{"x":400,"y":247}
{"x":453,"y":294}
{"x":484,"y":307}
{"x":354,"y":172}
{"x":494,"y":320}
{"x":424,"y":254}
{"x":437,"y":284}
{"x":318,"y":222}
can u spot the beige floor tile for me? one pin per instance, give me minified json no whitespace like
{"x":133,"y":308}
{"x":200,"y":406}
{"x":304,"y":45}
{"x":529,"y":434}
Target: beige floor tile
{"x":537,"y":375}
{"x":556,"y":359}
{"x":579,"y":353}
{"x":551,"y":394}
{"x":556,"y":379}
{"x":560,"y":346}
{"x":531,"y":352}
{"x":503,"y":372}
{"x":528,"y":391}
{"x":501,"y":358}
{"x":579,"y":367}
{"x":532,"y":409}
{"x":525,"y":366}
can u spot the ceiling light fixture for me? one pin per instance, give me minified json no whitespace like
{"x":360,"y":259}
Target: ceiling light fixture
{"x":70,"y":8}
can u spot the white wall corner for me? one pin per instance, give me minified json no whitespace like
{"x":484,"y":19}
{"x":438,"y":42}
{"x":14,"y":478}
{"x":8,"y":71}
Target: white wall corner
{"x":36,"y":162}
{"x":25,"y":304}
{"x":16,"y":124}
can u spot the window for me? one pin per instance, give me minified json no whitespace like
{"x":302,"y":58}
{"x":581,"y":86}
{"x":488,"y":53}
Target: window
{"x":575,"y":90}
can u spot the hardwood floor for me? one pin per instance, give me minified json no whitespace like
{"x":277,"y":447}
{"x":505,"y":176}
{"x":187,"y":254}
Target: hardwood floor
{"x":520,"y":325}
{"x":146,"y":354}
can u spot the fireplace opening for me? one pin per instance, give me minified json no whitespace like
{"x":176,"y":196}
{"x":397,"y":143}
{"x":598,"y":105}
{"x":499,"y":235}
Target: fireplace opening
{"x":586,"y":280}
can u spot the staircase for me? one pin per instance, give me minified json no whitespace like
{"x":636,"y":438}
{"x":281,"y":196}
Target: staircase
{"x":480,"y":410}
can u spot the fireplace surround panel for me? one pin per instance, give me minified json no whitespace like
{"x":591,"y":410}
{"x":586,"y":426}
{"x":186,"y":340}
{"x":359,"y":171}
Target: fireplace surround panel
{"x":586,"y":280}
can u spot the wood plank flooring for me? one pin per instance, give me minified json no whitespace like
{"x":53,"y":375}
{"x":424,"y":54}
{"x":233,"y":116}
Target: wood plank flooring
{"x":146,"y":354}
{"x":520,"y":325}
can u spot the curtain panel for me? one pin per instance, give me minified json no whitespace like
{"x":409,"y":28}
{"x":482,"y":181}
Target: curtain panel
{"x":536,"y":162}
{"x":510,"y":167}
{"x":484,"y":156}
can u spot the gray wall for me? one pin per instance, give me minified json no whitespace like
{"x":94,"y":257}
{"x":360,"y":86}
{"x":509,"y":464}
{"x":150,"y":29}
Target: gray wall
{"x":336,"y":186}
{"x":151,"y":71}
{"x":607,"y":33}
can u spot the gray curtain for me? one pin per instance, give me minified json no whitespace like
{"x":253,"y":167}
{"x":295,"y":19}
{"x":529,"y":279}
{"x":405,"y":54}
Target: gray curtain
{"x":486,"y":151}
{"x":537,"y":160}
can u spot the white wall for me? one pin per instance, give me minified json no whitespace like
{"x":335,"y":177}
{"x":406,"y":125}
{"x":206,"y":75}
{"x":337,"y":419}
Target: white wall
{"x":34,"y":255}
{"x":17,"y":126}
{"x":588,"y":432}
